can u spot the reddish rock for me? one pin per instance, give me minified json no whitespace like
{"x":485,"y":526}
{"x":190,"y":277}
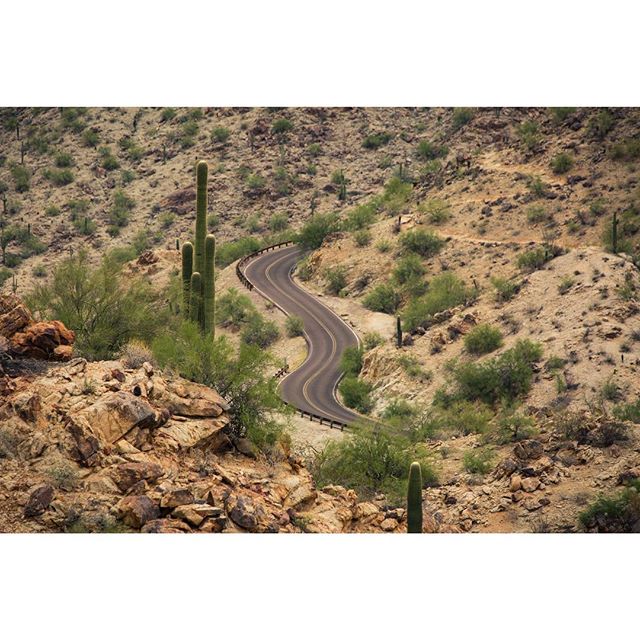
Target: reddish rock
{"x":166,"y":525}
{"x":41,"y":339}
{"x":127,"y":474}
{"x":136,"y":511}
{"x":39,"y":501}
{"x":14,"y":316}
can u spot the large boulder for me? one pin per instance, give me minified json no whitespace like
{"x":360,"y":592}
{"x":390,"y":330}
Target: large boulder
{"x":129,"y":473}
{"x":136,"y":511}
{"x":186,"y":434}
{"x":49,"y":340}
{"x":14,"y":315}
{"x":115,"y":414}
{"x":39,"y":501}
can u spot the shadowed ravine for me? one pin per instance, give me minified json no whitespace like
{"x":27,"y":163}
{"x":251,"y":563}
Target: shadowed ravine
{"x":311,"y":387}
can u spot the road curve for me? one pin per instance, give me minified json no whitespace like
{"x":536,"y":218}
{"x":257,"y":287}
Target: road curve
{"x":312,"y":386}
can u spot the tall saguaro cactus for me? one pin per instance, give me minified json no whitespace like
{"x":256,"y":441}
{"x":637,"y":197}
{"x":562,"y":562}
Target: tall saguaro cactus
{"x":398,"y":332}
{"x":209,"y":285}
{"x":414,"y":499}
{"x":198,"y":263}
{"x":202,"y":171}
{"x":187,"y":270}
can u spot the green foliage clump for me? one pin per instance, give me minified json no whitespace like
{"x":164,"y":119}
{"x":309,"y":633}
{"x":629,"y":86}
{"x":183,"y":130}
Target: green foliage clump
{"x":628,"y":149}
{"x":59,"y":177}
{"x":259,"y":331}
{"x":362,"y":238}
{"x":614,"y":514}
{"x":534,"y":259}
{"x":601,"y":123}
{"x":231,"y":251}
{"x":371,"y":340}
{"x":376,"y":140}
{"x":167,"y":114}
{"x":107,"y":160}
{"x":483,"y":339}
{"x":336,"y":279}
{"x":281,"y":126}
{"x":21,"y":177}
{"x":318,"y":227}
{"x":220,"y":134}
{"x":512,"y":425}
{"x":506,"y":377}
{"x":560,"y":114}
{"x":63,"y":160}
{"x":372,"y":460}
{"x":462,"y":116}
{"x":504,"y":289}
{"x":478,"y":461}
{"x":356,"y":394}
{"x":121,"y":208}
{"x":90,"y":138}
{"x":233,"y":309}
{"x":445,"y":291}
{"x":408,"y":269}
{"x":430,"y":151}
{"x":360,"y":217}
{"x":351,"y":361}
{"x":294,"y":326}
{"x":629,"y":412}
{"x":104,"y":308}
{"x":436,"y":210}
{"x":537,"y":214}
{"x":561,"y":163}
{"x":278,"y":222}
{"x":455,"y":417}
{"x":529,"y":134}
{"x":424,"y":243}
{"x":383,"y":298}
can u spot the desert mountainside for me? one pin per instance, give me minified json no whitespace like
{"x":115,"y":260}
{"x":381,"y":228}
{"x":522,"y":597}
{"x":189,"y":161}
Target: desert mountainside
{"x":503,"y":241}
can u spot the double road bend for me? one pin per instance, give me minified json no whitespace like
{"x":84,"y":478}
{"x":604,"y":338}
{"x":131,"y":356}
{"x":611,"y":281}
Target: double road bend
{"x":312,"y":386}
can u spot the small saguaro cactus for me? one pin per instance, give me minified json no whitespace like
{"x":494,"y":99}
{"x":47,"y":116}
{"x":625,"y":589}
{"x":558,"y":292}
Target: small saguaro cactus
{"x":202,"y":171}
{"x":187,"y":268}
{"x":398,"y":332}
{"x":195,"y":302}
{"x":209,"y":285}
{"x":614,"y":233}
{"x":414,"y":499}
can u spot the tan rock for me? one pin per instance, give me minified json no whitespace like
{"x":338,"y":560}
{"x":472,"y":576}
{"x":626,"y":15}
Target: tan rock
{"x":515,"y":484}
{"x":176,"y":498}
{"x":166,"y":525}
{"x":136,"y":511}
{"x":195,"y":433}
{"x":389,"y":524}
{"x":530,"y":484}
{"x":195,"y":514}
{"x":14,"y":315}
{"x":128,"y":474}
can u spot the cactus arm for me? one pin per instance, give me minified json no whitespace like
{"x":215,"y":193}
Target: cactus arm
{"x":209,"y":284}
{"x":202,"y":171}
{"x":414,"y":499}
{"x":195,"y":304}
{"x":187,"y":270}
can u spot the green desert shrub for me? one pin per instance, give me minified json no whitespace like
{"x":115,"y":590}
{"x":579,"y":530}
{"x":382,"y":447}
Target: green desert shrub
{"x":478,"y":461}
{"x":90,"y":138}
{"x":59,"y":177}
{"x":336,"y":279}
{"x":504,"y":289}
{"x":561,"y":163}
{"x":278,"y":222}
{"x":362,"y":238}
{"x":618,"y":513}
{"x":533,"y":259}
{"x":351,"y":361}
{"x":294,"y":326}
{"x":436,"y":210}
{"x":63,"y":160}
{"x":537,"y":214}
{"x":408,"y":268}
{"x":529,"y":134}
{"x":445,"y":291}
{"x":360,"y":217}
{"x":121,"y":208}
{"x":424,"y":243}
{"x":462,"y":116}
{"x":513,"y":425}
{"x":107,"y":160}
{"x":259,"y":331}
{"x":601,"y":123}
{"x":628,"y":149}
{"x":458,"y":417}
{"x":104,"y":308}
{"x":21,"y":177}
{"x":229,"y":252}
{"x":281,"y":126}
{"x":430,"y":151}
{"x":356,"y":394}
{"x":233,"y":309}
{"x":483,"y":339}
{"x":384,"y":298}
{"x":560,"y":114}
{"x":220,"y":134}
{"x":376,"y":140}
{"x":314,"y":232}
{"x":374,"y":459}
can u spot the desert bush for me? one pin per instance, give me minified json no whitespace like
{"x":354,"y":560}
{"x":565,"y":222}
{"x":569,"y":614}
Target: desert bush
{"x":561,"y":163}
{"x":220,"y":134}
{"x":104,"y":308}
{"x":383,"y":246}
{"x":107,"y":160}
{"x":374,"y":459}
{"x":376,"y":140}
{"x":628,"y":149}
{"x":560,"y":114}
{"x":395,"y":196}
{"x":537,"y":214}
{"x":430,"y":151}
{"x":90,"y":138}
{"x":260,"y":332}
{"x":234,"y":309}
{"x":351,"y":361}
{"x":437,"y":211}
{"x":135,"y":353}
{"x":121,"y":208}
{"x":478,"y":461}
{"x":229,"y":252}
{"x":360,"y":217}
{"x":445,"y":291}
{"x":397,"y":409}
{"x":336,"y":279}
{"x":565,"y":284}
{"x":619,"y":513}
{"x":534,"y":259}
{"x":314,"y":150}
{"x":59,"y":178}
{"x":278,"y":222}
{"x":371,"y":340}
{"x":21,"y":177}
{"x":408,"y":268}
{"x":462,"y":116}
{"x":356,"y":394}
{"x":304,"y":270}
{"x":412,"y":367}
{"x":506,"y":377}
{"x":512,"y":425}
{"x":383,"y":298}
{"x":281,"y":126}
{"x":167,"y":114}
{"x":629,"y":412}
{"x":63,"y":160}
{"x":362,"y":238}
{"x":537,"y":187}
{"x":483,"y":339}
{"x":63,"y":476}
{"x":504,"y":289}
{"x":456,"y":418}
{"x":529,"y":134}
{"x":424,"y":243}
{"x":294,"y":326}
{"x":601,"y":123}
{"x":314,"y":232}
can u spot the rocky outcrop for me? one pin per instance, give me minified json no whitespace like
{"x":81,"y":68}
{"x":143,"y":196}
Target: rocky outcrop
{"x":49,"y":340}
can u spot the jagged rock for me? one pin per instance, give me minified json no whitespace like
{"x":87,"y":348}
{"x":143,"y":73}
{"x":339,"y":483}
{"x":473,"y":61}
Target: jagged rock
{"x":27,"y":406}
{"x":128,"y":474}
{"x":136,"y":511}
{"x":14,"y":315}
{"x":528,"y":450}
{"x":147,"y":257}
{"x":249,"y":515}
{"x":86,"y":445}
{"x":530,"y":484}
{"x":44,"y":341}
{"x":166,"y":525}
{"x":176,"y":498}
{"x":193,"y":400}
{"x":39,"y":501}
{"x":389,"y":524}
{"x":515,"y":484}
{"x":179,"y":202}
{"x":196,"y":433}
{"x":115,"y":414}
{"x":195,"y":514}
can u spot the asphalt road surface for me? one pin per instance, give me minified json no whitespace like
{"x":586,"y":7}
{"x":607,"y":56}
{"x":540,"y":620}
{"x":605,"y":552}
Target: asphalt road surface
{"x":312,"y":386}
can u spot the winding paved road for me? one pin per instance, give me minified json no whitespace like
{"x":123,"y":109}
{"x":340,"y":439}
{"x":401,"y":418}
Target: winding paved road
{"x":312,"y":386}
